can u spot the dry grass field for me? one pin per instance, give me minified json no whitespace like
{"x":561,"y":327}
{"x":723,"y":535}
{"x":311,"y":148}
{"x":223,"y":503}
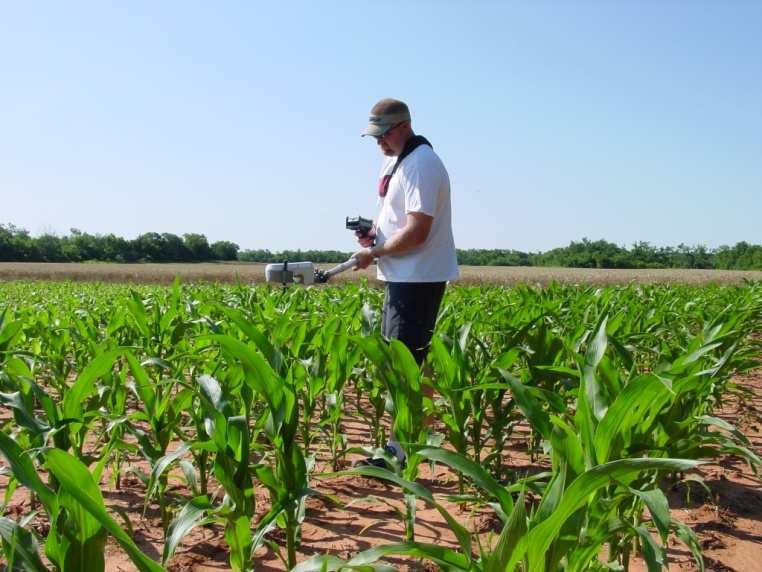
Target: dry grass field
{"x":254,"y":273}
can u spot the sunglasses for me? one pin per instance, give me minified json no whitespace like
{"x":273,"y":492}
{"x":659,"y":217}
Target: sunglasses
{"x":386,"y":133}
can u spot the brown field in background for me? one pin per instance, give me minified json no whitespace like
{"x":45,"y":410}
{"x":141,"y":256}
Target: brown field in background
{"x":233,"y":272}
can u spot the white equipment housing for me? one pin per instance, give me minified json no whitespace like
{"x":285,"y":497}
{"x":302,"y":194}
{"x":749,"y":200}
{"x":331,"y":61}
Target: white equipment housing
{"x":303,"y":272}
{"x":290,"y":272}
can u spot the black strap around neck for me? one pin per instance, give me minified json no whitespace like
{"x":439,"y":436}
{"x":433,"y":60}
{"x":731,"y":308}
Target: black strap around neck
{"x":411,"y":145}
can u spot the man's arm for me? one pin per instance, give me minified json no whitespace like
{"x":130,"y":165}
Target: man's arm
{"x":412,"y":236}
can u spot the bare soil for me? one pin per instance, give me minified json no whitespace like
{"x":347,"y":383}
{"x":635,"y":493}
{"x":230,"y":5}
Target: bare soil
{"x":728,"y":518}
{"x":248,"y":273}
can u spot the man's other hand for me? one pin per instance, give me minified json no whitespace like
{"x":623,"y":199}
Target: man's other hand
{"x":363,"y":257}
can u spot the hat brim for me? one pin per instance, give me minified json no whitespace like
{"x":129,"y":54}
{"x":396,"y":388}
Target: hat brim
{"x":376,"y":130}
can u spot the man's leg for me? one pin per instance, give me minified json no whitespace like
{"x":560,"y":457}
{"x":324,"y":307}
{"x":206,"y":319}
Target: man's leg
{"x":409,"y":315}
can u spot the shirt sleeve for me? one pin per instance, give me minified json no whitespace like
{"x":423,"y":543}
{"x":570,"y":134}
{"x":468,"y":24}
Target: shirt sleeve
{"x":421,"y":183}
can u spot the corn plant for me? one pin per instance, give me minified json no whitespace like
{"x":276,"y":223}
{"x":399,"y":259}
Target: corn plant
{"x":162,"y":408}
{"x":79,"y":522}
{"x":397,"y":368}
{"x":566,"y":531}
{"x":287,"y":479}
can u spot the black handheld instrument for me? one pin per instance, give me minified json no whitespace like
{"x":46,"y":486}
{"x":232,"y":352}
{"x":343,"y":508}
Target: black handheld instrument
{"x":359,"y":224}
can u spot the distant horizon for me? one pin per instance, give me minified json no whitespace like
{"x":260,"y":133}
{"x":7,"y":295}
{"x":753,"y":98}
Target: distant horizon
{"x":354,"y":247}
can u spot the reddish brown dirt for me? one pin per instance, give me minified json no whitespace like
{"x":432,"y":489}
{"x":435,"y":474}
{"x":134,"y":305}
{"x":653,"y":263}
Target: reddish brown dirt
{"x":727,"y":518}
{"x":728,"y":521}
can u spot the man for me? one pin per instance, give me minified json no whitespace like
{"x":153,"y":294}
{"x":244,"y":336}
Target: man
{"x":412,"y":236}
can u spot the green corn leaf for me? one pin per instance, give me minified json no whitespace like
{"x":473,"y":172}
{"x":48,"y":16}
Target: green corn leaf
{"x":20,"y":546}
{"x":468,"y":468}
{"x":327,"y":563}
{"x":653,"y":553}
{"x":74,"y":477}
{"x":321,"y":563}
{"x":553,"y":399}
{"x":554,"y":492}
{"x":212,"y":391}
{"x":190,"y":516}
{"x":143,"y":384}
{"x":593,"y":390}
{"x":541,"y":536}
{"x":567,"y":445}
{"x":23,"y":416}
{"x":658,"y":507}
{"x":189,"y":473}
{"x":372,"y":347}
{"x":266,"y":476}
{"x":8,"y":332}
{"x":377,"y":472}
{"x":482,"y":387}
{"x":444,"y":557}
{"x":635,"y":407}
{"x":138,"y":312}
{"x":404,"y":361}
{"x":84,"y":385}
{"x":689,"y":538}
{"x":463,"y":536}
{"x":87,"y":555}
{"x":529,"y":406}
{"x":84,"y":544}
{"x":294,"y":471}
{"x":573,"y":373}
{"x":443,"y":362}
{"x":710,"y":420}
{"x":262,"y":378}
{"x":465,"y":332}
{"x":681,"y":363}
{"x":513,"y":531}
{"x":24,"y":471}
{"x":157,"y":363}
{"x":162,"y":465}
{"x":507,"y":359}
{"x":274,"y":356}
{"x":586,"y":426}
{"x":239,"y":539}
{"x":267,"y":523}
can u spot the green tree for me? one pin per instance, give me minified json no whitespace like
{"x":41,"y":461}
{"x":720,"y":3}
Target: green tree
{"x":16,"y":245}
{"x":149,"y":247}
{"x":80,"y":246}
{"x":198,"y":247}
{"x":225,"y":250}
{"x":49,"y":248}
{"x":175,"y":249}
{"x":115,"y":248}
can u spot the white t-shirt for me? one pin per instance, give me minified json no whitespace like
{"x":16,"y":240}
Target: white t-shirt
{"x":420,"y":185}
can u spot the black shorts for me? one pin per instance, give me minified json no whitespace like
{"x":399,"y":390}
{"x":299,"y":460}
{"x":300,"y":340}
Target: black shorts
{"x":410,"y":312}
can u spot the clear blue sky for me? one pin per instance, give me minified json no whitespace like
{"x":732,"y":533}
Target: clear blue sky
{"x":559,"y":120}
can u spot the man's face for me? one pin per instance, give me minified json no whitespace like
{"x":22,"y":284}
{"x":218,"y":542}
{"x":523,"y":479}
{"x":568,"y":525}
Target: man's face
{"x":393,"y":141}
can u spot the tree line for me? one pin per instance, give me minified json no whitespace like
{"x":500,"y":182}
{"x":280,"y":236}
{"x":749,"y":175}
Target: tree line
{"x":604,"y":254}
{"x":17,"y":245}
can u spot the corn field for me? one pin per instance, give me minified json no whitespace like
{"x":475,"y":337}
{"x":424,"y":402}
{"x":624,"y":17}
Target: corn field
{"x":231,"y":390}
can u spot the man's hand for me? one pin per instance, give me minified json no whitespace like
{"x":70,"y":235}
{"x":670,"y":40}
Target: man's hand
{"x":366,"y":240}
{"x":364,"y":258}
{"x":412,"y":236}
